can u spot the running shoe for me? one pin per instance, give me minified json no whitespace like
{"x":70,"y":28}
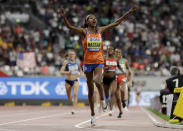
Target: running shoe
{"x":120,"y":115}
{"x":123,"y":104}
{"x":174,"y":120}
{"x":104,"y":105}
{"x":110,"y":113}
{"x":126,"y":109}
{"x":72,"y":112}
{"x":93,"y":121}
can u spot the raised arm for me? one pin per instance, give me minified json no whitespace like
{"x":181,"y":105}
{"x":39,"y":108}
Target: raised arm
{"x":117,"y":22}
{"x":80,"y":31}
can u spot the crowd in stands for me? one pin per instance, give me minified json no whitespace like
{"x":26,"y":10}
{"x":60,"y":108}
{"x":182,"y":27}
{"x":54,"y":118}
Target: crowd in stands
{"x":151,"y":38}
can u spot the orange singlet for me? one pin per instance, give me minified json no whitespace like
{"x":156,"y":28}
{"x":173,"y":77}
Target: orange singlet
{"x":93,"y":48}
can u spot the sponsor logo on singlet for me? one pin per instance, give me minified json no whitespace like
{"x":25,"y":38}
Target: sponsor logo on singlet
{"x":73,"y":67}
{"x":111,"y":63}
{"x":94,"y":44}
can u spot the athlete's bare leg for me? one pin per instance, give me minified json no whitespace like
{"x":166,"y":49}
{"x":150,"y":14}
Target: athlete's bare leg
{"x":122,"y":90}
{"x":106,"y":90}
{"x":89,"y":76}
{"x":118,"y":101}
{"x":113,"y":88}
{"x":98,"y":76}
{"x":75,"y":94}
{"x":68,"y":90}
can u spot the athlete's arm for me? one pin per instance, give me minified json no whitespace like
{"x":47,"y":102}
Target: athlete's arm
{"x":80,"y":31}
{"x":118,"y":65}
{"x":80,"y":68}
{"x":62,"y":70}
{"x":117,"y":22}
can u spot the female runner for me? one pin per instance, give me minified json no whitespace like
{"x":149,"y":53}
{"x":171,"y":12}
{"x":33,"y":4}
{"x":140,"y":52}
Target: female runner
{"x":72,"y":69}
{"x":93,"y":53}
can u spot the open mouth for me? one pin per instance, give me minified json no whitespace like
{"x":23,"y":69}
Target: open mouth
{"x":94,"y":22}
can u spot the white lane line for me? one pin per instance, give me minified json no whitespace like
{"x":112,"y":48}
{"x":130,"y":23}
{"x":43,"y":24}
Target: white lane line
{"x":31,"y":119}
{"x":158,"y":124}
{"x":7,"y":112}
{"x":44,"y":125}
{"x":79,"y":125}
{"x":7,"y":130}
{"x":26,"y":113}
{"x":151,"y":117}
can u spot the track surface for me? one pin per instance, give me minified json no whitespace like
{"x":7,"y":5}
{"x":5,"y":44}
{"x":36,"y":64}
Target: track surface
{"x":55,"y":118}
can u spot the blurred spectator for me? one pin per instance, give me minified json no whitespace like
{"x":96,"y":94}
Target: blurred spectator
{"x":151,"y":39}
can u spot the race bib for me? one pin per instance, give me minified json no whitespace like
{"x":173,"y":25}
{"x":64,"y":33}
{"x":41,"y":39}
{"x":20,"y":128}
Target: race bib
{"x":94,"y":44}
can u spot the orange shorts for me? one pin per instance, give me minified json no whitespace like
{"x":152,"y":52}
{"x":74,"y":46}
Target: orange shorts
{"x":120,"y":79}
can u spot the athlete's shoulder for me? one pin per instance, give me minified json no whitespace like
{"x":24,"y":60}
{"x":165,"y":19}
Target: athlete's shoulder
{"x":126,"y":60}
{"x":84,"y":30}
{"x":99,"y":29}
{"x":78,"y":61}
{"x":122,"y":60}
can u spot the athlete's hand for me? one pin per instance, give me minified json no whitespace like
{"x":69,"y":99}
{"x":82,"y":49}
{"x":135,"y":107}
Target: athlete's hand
{"x":62,"y":12}
{"x":132,"y":9}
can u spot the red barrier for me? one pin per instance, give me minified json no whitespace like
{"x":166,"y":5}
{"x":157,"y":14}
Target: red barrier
{"x":2,"y":74}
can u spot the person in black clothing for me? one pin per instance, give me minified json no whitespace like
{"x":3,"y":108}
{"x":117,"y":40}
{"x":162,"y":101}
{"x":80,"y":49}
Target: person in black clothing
{"x":163,"y":100}
{"x":175,"y":81}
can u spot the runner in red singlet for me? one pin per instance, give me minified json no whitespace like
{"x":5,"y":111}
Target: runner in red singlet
{"x":110,"y":82}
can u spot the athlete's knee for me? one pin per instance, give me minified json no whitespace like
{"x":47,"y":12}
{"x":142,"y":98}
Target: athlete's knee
{"x":89,"y":82}
{"x":75,"y":96}
{"x":118,"y":99}
{"x":98,"y":79}
{"x":90,"y":94}
{"x":90,"y":91}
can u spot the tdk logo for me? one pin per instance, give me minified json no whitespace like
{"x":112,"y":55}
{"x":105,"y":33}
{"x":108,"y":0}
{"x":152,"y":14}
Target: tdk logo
{"x":60,"y":88}
{"x":3,"y":88}
{"x":25,"y":88}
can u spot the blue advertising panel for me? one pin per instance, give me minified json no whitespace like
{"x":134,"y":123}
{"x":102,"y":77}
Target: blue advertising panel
{"x":38,"y":88}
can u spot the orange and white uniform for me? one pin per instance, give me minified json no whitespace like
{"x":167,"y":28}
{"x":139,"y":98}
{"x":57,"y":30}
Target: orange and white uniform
{"x":93,"y":51}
